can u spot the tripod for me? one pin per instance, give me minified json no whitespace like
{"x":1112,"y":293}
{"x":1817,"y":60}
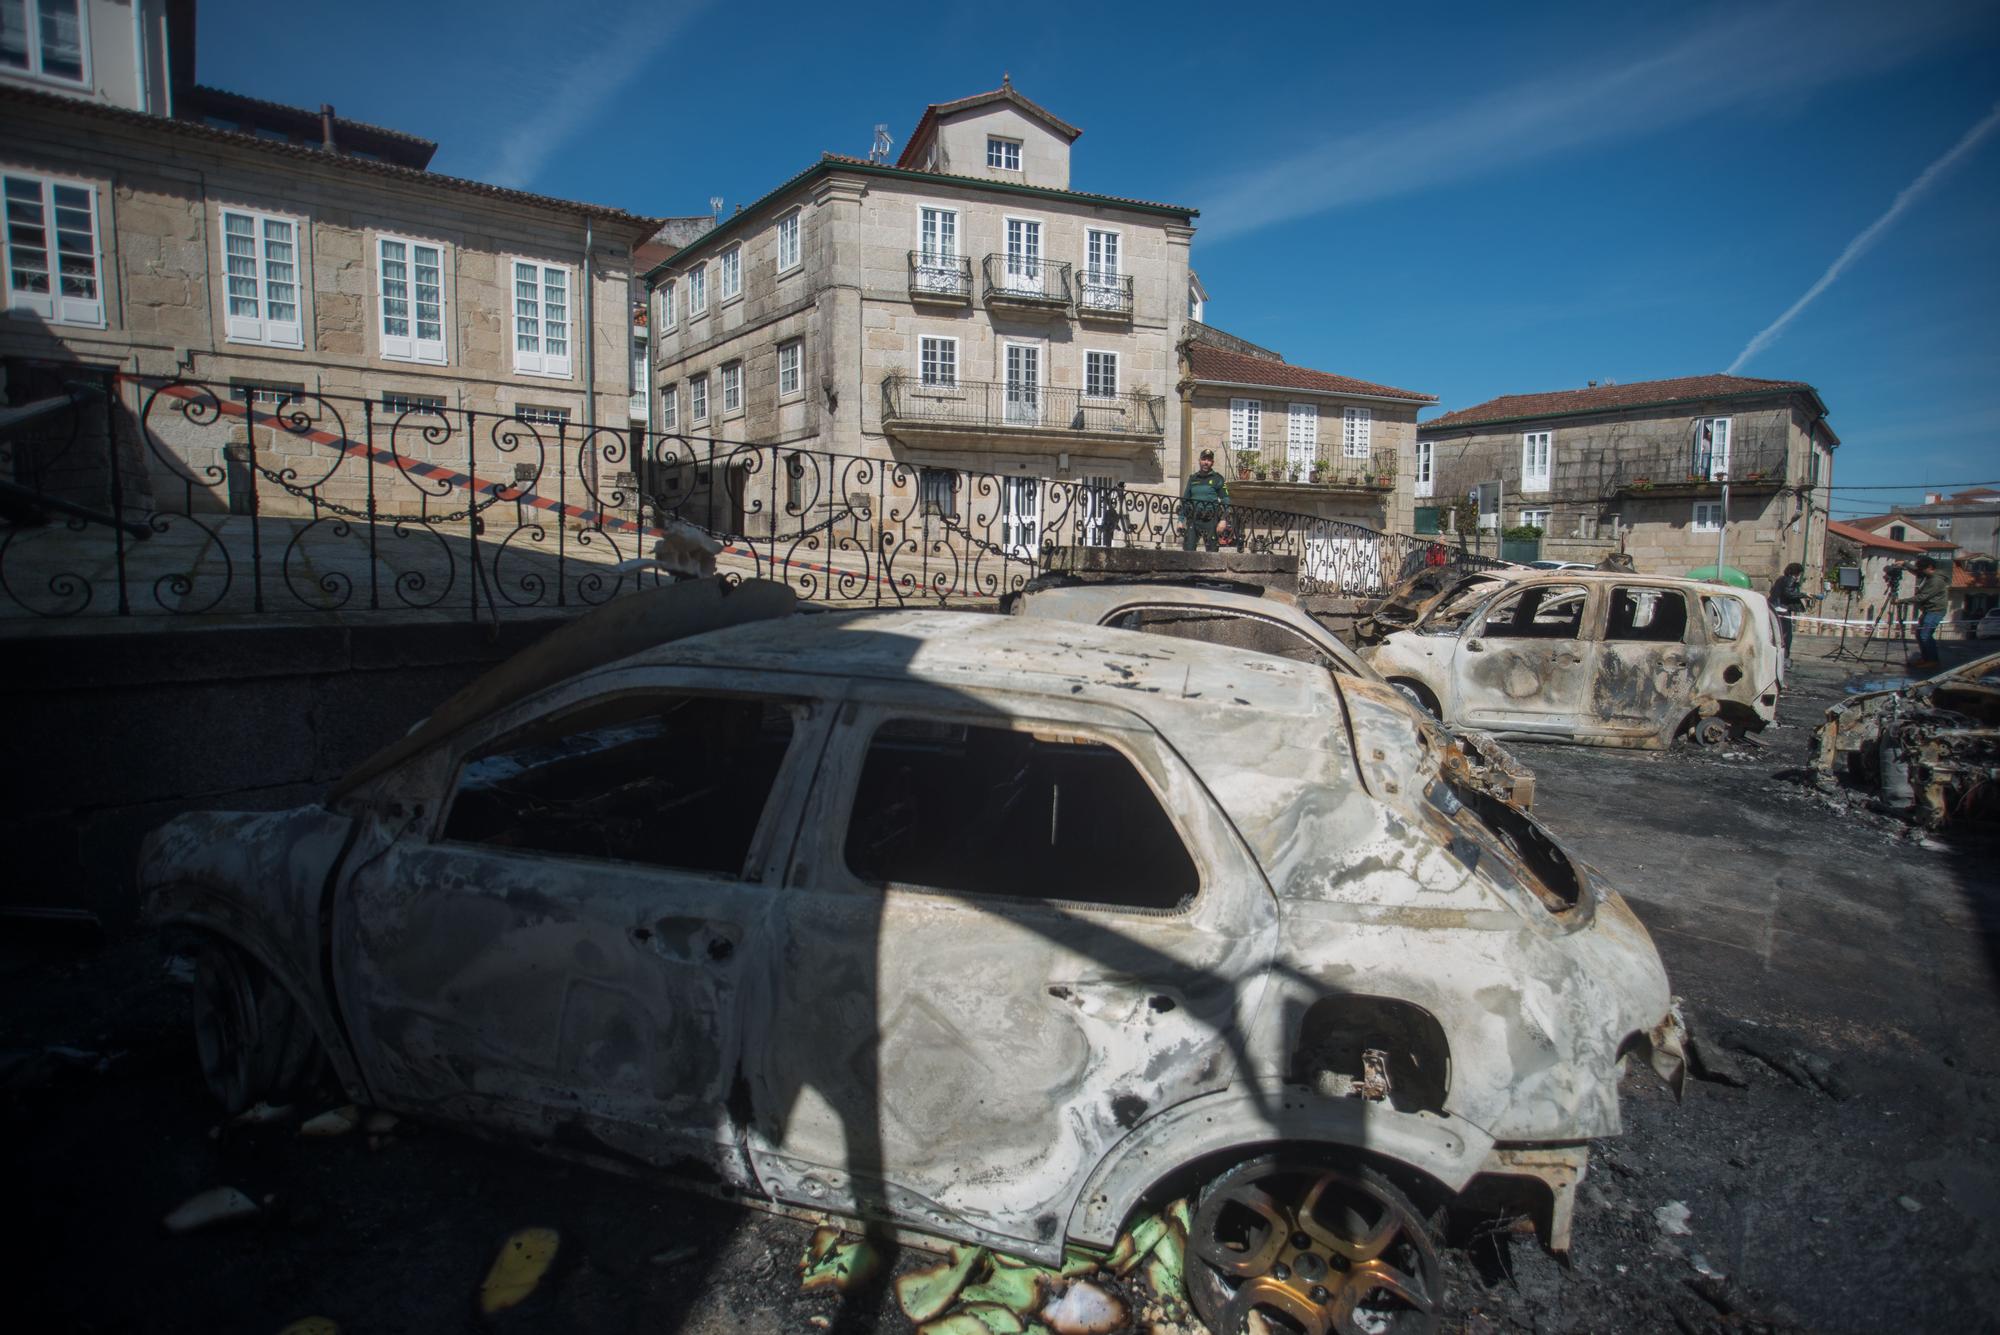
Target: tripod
{"x":1894,"y":620}
{"x":1841,"y":650}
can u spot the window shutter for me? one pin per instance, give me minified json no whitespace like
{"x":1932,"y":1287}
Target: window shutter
{"x":243,"y":296}
{"x":427,"y":279}
{"x":392,"y":267}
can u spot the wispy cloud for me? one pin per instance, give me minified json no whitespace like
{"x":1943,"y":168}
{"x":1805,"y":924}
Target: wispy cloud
{"x":557,"y":96}
{"x":1861,"y":244}
{"x":1748,"y":56}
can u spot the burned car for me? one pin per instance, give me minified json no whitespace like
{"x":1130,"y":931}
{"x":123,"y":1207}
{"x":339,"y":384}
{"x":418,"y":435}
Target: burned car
{"x":988,"y":927}
{"x":1601,"y":658}
{"x":1262,"y":621}
{"x":1929,"y":749}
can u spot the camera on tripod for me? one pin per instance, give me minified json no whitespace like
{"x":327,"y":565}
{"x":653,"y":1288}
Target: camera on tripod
{"x":1892,"y":575}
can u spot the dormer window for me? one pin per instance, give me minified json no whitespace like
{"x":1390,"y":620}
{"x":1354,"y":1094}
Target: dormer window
{"x":1003,"y":153}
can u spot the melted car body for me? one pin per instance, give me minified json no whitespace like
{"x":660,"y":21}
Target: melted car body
{"x":980,"y":925}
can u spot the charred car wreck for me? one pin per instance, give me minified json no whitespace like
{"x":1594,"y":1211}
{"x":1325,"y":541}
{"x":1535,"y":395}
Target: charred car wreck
{"x":1929,"y":750}
{"x":988,"y":927}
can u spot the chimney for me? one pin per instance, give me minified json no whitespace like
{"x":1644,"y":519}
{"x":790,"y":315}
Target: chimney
{"x":1933,"y":498}
{"x":326,"y":126}
{"x":1591,"y":385}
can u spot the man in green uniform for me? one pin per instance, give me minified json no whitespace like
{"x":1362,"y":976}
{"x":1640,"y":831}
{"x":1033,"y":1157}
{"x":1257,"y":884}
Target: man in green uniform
{"x":1202,"y":501}
{"x":1928,"y":602}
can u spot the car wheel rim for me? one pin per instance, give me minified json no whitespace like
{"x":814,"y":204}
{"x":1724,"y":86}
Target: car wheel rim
{"x":224,"y":1019}
{"x":1314,"y":1250}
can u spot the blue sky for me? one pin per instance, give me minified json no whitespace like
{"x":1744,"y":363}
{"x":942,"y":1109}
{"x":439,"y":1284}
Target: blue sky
{"x":1467,"y":202}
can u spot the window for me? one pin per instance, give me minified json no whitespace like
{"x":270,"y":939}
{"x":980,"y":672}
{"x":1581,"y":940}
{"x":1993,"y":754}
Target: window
{"x":1101,"y":287}
{"x":44,"y":38}
{"x":796,"y":464}
{"x":1897,"y":533}
{"x":1003,"y":153}
{"x":1194,"y":303}
{"x":1238,"y":630}
{"x":1426,"y":469}
{"x":669,"y":314}
{"x":939,"y":361}
{"x":1535,"y":458}
{"x":670,"y":408}
{"x":986,"y":810}
{"x":260,"y":256}
{"x":937,"y":492}
{"x":1535,"y":519}
{"x":1246,"y":424}
{"x":1100,"y":375}
{"x":1654,"y":615}
{"x":732,"y":388}
{"x":1707,"y":517}
{"x":541,"y":416}
{"x":788,"y":241}
{"x":1943,"y":525}
{"x":1711,"y":448}
{"x":1301,"y":435}
{"x":697,"y":291}
{"x":1539,"y":612}
{"x":790,"y":355}
{"x":698,"y":398}
{"x":263,"y":396}
{"x":1357,"y":427}
{"x":410,"y":278}
{"x":51,"y":255}
{"x":732,"y":272}
{"x":677,"y":781}
{"x":396,"y":403}
{"x":638,"y":367}
{"x":1024,"y":255}
{"x":541,"y":319}
{"x":937,"y":235}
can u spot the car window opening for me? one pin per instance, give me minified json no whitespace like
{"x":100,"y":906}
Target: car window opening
{"x":1545,"y":612}
{"x":678,"y":782}
{"x":1655,"y":615}
{"x":1545,"y":868}
{"x":1725,"y":616}
{"x":991,"y":811}
{"x":1213,"y":626}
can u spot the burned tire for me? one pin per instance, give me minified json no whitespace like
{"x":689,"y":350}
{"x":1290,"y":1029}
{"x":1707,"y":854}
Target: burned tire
{"x":1313,"y":1244}
{"x":252,"y":1040}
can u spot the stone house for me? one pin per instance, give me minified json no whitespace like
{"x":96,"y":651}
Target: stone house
{"x":960,"y":310}
{"x":1886,"y":539}
{"x":1874,"y":553}
{"x":1971,"y":518}
{"x":1299,"y":440}
{"x":1641,"y":467}
{"x":168,"y":230}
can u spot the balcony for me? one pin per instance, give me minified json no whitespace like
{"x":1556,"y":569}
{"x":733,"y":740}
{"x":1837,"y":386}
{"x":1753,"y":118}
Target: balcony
{"x":1276,"y":470}
{"x":1751,"y":462}
{"x":1030,"y":285}
{"x":1104,"y":296}
{"x":946,"y":279}
{"x":975,"y":412}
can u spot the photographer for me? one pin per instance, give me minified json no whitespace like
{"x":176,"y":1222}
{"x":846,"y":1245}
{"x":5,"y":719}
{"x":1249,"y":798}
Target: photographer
{"x":1788,"y":599}
{"x":1928,"y":601}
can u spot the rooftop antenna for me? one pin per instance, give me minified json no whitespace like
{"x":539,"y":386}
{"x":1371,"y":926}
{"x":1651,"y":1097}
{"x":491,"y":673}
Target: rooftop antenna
{"x":880,"y":152}
{"x":715,"y":205}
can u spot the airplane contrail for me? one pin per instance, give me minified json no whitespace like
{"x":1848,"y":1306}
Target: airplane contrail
{"x":1860,"y":244}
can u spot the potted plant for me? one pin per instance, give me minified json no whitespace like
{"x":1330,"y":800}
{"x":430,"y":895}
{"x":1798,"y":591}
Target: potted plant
{"x":1246,"y":463}
{"x":1318,"y":467}
{"x":1263,"y":473}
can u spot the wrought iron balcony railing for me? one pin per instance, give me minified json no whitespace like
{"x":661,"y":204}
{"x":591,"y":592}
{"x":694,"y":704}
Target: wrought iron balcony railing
{"x":991,"y":405}
{"x":1026,"y":281}
{"x":1319,"y":465}
{"x":1750,"y":460}
{"x":940,"y":277}
{"x":1104,"y":296}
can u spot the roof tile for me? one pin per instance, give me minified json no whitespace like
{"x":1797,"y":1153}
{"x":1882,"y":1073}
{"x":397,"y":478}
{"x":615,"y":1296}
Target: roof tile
{"x":1600,"y":398}
{"x":1212,"y":363}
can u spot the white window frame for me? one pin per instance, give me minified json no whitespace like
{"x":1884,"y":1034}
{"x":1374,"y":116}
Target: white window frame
{"x":1357,"y":433}
{"x":670,"y":408}
{"x":53,"y":305}
{"x":1537,"y":447}
{"x":935,"y":249}
{"x":794,"y":351}
{"x":1108,"y":356}
{"x":540,"y":360}
{"x":1246,"y":425}
{"x":791,"y":229}
{"x":926,"y":345}
{"x":1024,"y":275}
{"x":1721,"y":431}
{"x":1538,"y":517}
{"x":31,"y":18}
{"x":262,"y":328}
{"x":536,"y":414}
{"x":669,"y":317}
{"x":408,"y":347}
{"x":1301,"y":435}
{"x":698,"y":398}
{"x":1706,"y":517}
{"x":697,"y":291}
{"x":1426,"y":482}
{"x":1100,"y":286}
{"x":732,"y":389}
{"x":729,"y":285}
{"x":1003,"y":148}
{"x":1026,"y":400}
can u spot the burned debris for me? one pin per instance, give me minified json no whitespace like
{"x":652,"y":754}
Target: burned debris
{"x":1928,"y":751}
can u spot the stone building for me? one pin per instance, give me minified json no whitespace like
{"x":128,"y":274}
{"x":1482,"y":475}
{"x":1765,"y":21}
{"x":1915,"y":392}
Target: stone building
{"x":960,"y":310}
{"x":1640,"y":468}
{"x":1971,"y":518}
{"x":1299,"y":440}
{"x":162,"y":229}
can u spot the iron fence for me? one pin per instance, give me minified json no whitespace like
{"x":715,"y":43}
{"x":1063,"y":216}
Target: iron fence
{"x":939,"y":277}
{"x":218,"y":499}
{"x":1026,"y":280}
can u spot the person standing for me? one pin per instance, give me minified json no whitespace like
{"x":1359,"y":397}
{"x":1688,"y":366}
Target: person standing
{"x":1928,"y":601}
{"x":1202,"y":501}
{"x":1787,"y":599}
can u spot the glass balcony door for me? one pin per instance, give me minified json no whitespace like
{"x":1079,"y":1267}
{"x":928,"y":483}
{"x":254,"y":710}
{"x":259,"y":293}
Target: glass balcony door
{"x":1025,"y":270}
{"x":1024,"y":384}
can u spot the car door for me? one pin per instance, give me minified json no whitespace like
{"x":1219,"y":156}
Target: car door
{"x":1525,"y":664}
{"x":1649,"y":656}
{"x":1007,"y":938}
{"x":561,"y":950}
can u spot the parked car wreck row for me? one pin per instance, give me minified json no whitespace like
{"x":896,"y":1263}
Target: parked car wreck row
{"x":984,"y":926}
